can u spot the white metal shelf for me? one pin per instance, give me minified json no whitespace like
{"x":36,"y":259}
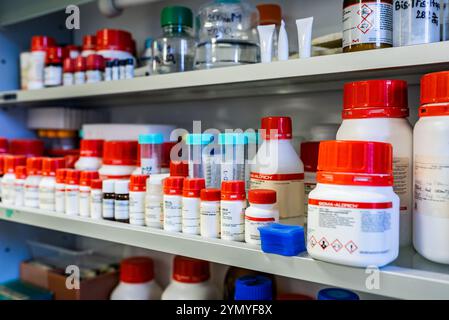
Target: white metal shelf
{"x":395,"y":281}
{"x":287,"y":77}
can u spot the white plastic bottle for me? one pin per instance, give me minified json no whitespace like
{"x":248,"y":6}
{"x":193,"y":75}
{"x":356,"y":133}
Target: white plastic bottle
{"x":121,"y":203}
{"x":279,"y":168}
{"x":47,"y":185}
{"x":86,"y":178}
{"x":377,"y":110}
{"x":154,"y":215}
{"x":173,"y":204}
{"x":210,"y":213}
{"x":232,"y":211}
{"x":431,"y":165}
{"x":191,"y":204}
{"x":11,"y":162}
{"x":19,"y":190}
{"x":137,"y":281}
{"x":39,"y":46}
{"x":91,"y":153}
{"x":260,"y":213}
{"x":60,"y":190}
{"x":34,"y":172}
{"x":96,"y":199}
{"x":353,"y":212}
{"x":137,"y":192}
{"x":72,"y":192}
{"x":190,"y":281}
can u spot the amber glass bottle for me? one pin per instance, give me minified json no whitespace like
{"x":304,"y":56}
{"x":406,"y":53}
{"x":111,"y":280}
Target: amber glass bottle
{"x":367,"y":24}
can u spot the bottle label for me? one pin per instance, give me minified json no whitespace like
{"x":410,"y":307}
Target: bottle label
{"x":60,"y":198}
{"x":7,"y":191}
{"x":121,"y":210}
{"x":351,"y":228}
{"x":289,"y":190}
{"x":80,"y":77}
{"x":19,"y":194}
{"x":53,"y":76}
{"x":94,"y":76}
{"x":47,"y":198}
{"x":108,"y":208}
{"x":233,"y":220}
{"x":137,"y":202}
{"x":173,"y":214}
{"x":72,"y":201}
{"x":32,"y":196}
{"x":150,"y":166}
{"x":84,"y":202}
{"x":191,"y":216}
{"x":68,"y":79}
{"x":223,"y":24}
{"x":368,"y":23}
{"x":432,"y":186}
{"x":210,"y":220}
{"x":403,"y":183}
{"x":96,"y":198}
{"x":153,"y":213}
{"x":252,"y":225}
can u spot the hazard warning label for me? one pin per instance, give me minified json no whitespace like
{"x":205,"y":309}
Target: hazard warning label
{"x":324,"y":244}
{"x":351,"y":247}
{"x":313,"y":242}
{"x":337,"y":245}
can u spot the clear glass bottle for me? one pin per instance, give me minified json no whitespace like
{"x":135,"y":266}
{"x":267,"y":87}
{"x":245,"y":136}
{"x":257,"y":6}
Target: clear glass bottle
{"x":174,"y":51}
{"x":228,"y":34}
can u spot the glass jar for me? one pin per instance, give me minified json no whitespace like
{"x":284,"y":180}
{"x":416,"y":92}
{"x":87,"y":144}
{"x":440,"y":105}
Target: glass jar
{"x":367,"y":24}
{"x":228,"y":34}
{"x":174,"y":51}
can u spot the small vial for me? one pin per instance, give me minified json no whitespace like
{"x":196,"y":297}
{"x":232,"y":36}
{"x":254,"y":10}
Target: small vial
{"x":191,"y":205}
{"x":173,"y":204}
{"x":108,"y":200}
{"x":115,"y":70}
{"x":72,"y":192}
{"x":96,"y":199}
{"x":47,"y":185}
{"x":210,"y":213}
{"x":122,"y":69}
{"x":53,"y":67}
{"x":21,"y":174}
{"x":121,"y":203}
{"x":95,"y":68}
{"x":34,"y":171}
{"x":137,"y":191}
{"x":154,"y":216}
{"x":80,"y":70}
{"x":108,"y":71}
{"x":86,"y":178}
{"x":233,"y":205}
{"x":68,"y":77}
{"x":151,"y":153}
{"x":129,"y":69}
{"x":60,"y":190}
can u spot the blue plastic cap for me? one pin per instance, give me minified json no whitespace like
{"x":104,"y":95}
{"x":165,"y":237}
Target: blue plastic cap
{"x":154,"y":138}
{"x":253,"y":288}
{"x":337,"y":294}
{"x":232,"y":139}
{"x":199,"y":138}
{"x":282,"y":239}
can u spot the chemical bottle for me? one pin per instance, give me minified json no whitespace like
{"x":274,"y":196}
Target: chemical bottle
{"x":377,"y":110}
{"x":53,"y":67}
{"x":47,"y":185}
{"x":68,"y":76}
{"x":253,"y":288}
{"x":173,"y":203}
{"x":72,"y":192}
{"x":19,"y":190}
{"x":279,"y":168}
{"x":89,"y":45}
{"x":114,"y":44}
{"x":210,"y":221}
{"x":80,"y":70}
{"x":121,"y":203}
{"x":353,"y":211}
{"x":34,"y":173}
{"x":431,"y":165}
{"x":96,"y":199}
{"x":39,"y":46}
{"x":61,"y":175}
{"x":137,"y":281}
{"x":108,"y":200}
{"x":95,"y":65}
{"x":190,"y":281}
{"x":11,"y":162}
{"x":91,"y":152}
{"x":137,"y":192}
{"x":232,"y":210}
{"x":154,"y":216}
{"x":191,"y":205}
{"x":86,"y":178}
{"x":119,"y":159}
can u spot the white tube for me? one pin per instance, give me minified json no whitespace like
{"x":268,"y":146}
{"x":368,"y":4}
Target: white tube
{"x":305,"y":37}
{"x":283,"y":49}
{"x":266,"y":42}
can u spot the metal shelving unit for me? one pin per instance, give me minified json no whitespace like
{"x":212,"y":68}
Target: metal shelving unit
{"x":394,"y":281}
{"x":294,"y":76}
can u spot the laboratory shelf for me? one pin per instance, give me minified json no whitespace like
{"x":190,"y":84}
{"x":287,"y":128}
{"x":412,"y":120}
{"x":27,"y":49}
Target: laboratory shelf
{"x":394,"y":281}
{"x":315,"y":74}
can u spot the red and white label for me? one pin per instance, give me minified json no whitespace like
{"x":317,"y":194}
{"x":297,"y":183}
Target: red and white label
{"x":351,"y":205}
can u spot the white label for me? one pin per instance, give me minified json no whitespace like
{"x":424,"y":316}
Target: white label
{"x":121,"y":210}
{"x":84,"y":202}
{"x":122,"y":72}
{"x":191,"y":215}
{"x":432,"y":186}
{"x":94,"y":76}
{"x":31,"y":196}
{"x":402,"y":183}
{"x":68,"y":79}
{"x":8,"y":191}
{"x":36,"y":73}
{"x":115,"y":73}
{"x":47,"y":199}
{"x":80,"y":77}
{"x":233,"y":220}
{"x":53,"y":76}
{"x":60,"y":198}
{"x":96,"y":198}
{"x":289,"y":191}
{"x":368,"y":23}
{"x":72,"y":201}
{"x":252,"y":225}
{"x":19,"y":193}
{"x":153,"y":213}
{"x":351,"y":228}
{"x":108,"y":74}
{"x":150,"y":166}
{"x":137,"y":202}
{"x":108,"y":209}
{"x":416,"y":22}
{"x":210,"y":219}
{"x":129,"y":72}
{"x":173,"y":213}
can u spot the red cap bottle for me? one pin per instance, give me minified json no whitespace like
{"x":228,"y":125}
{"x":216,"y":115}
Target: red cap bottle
{"x":120,"y":153}
{"x":435,"y":94}
{"x":192,"y":187}
{"x":173,"y":185}
{"x":309,"y":155}
{"x":262,"y":196}
{"x":34,"y":166}
{"x":54,"y":56}
{"x":41,"y":43}
{"x":137,"y":270}
{"x":138,"y":183}
{"x":188,"y":270}
{"x":11,"y":162}
{"x":233,"y":190}
{"x":95,"y":62}
{"x":277,"y":128}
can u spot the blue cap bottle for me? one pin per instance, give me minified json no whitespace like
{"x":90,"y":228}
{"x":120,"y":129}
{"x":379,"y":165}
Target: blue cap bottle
{"x":337,"y":294}
{"x":253,"y":288}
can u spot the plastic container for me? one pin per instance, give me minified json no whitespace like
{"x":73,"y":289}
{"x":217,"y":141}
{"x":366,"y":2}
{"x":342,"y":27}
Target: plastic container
{"x":53,"y":67}
{"x":19,"y":190}
{"x":108,"y":200}
{"x":96,"y":199}
{"x":10,"y":164}
{"x":91,"y":153}
{"x":48,"y":184}
{"x":61,"y":175}
{"x":86,"y":178}
{"x":137,"y":281}
{"x":191,"y":205}
{"x":279,"y":168}
{"x":309,"y":156}
{"x":232,"y":211}
{"x":227,"y":34}
{"x":154,"y":214}
{"x":34,"y":176}
{"x":72,"y":192}
{"x":175,"y":50}
{"x":89,"y":45}
{"x":282,"y":239}
{"x":80,"y":70}
{"x":39,"y":46}
{"x":233,"y":156}
{"x":119,"y":159}
{"x":353,"y":212}
{"x":204,"y":159}
{"x":151,"y":153}
{"x":210,"y":222}
{"x":26,"y":147}
{"x":173,"y":203}
{"x":95,"y":65}
{"x":260,"y":213}
{"x":68,"y":69}
{"x":121,"y":203}
{"x":377,"y":110}
{"x":431,"y":165}
{"x":336,"y":294}
{"x":190,"y":281}
{"x":253,"y":288}
{"x":137,"y":192}
{"x":114,"y":44}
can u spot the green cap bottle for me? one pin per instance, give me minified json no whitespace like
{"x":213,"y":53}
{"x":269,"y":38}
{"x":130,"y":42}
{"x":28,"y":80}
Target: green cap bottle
{"x":177,"y":15}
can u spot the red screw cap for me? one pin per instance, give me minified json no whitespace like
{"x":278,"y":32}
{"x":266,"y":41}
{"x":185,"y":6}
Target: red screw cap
{"x":188,"y":270}
{"x":262,"y":196}
{"x":277,"y":128}
{"x":137,"y":270}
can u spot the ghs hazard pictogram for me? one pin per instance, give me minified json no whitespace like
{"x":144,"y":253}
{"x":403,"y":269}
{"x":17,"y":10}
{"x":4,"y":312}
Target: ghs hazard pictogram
{"x":324,"y":243}
{"x":364,"y":12}
{"x":313,"y":241}
{"x":337,"y":245}
{"x":351,"y":247}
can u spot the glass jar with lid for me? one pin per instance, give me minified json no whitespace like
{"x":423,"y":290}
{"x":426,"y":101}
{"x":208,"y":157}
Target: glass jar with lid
{"x":227,"y":34}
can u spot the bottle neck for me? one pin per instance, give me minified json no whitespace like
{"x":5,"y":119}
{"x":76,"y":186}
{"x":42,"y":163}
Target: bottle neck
{"x":172,"y":30}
